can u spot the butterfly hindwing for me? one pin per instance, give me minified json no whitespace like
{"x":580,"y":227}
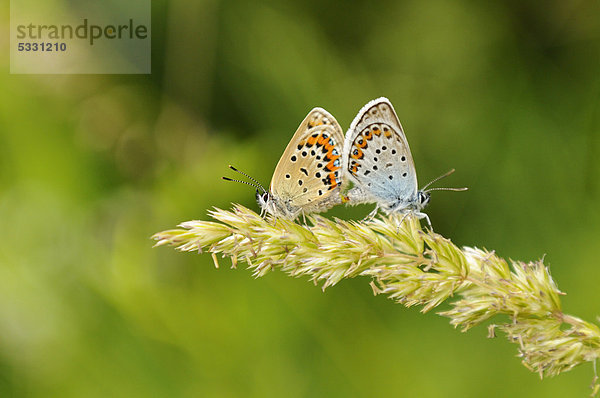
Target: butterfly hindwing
{"x":308,"y":176}
{"x":377,"y":158}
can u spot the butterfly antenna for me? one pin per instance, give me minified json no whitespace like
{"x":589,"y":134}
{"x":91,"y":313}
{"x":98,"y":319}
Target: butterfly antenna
{"x":438,"y":178}
{"x":424,"y":189}
{"x":256,"y":183}
{"x":448,"y":189}
{"x":240,"y":181}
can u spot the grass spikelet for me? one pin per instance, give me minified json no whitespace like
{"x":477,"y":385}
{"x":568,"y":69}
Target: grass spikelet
{"x":412,"y":267}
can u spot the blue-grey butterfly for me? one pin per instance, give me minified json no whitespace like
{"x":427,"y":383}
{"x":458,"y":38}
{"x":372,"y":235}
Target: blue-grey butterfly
{"x":378,"y":161}
{"x":308,"y":177}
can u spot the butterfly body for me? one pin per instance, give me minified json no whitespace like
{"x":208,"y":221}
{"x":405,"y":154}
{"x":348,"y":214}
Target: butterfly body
{"x":378,"y":161}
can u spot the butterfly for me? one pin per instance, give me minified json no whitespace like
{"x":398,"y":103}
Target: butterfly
{"x":378,"y":161}
{"x":308,"y":176}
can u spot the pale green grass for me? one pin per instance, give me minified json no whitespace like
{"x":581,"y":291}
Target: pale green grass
{"x":412,"y":267}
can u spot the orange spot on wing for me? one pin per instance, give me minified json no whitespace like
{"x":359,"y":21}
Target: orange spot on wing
{"x":388,"y":134}
{"x":312,"y":140}
{"x":359,"y":154}
{"x":358,"y":144}
{"x":331,"y":166}
{"x":330,"y":156}
{"x":328,"y":146}
{"x":333,"y":181}
{"x":368,"y":134}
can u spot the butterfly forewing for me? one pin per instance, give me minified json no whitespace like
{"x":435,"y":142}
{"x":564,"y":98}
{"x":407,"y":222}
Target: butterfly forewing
{"x":377,"y":157}
{"x":308,"y":175}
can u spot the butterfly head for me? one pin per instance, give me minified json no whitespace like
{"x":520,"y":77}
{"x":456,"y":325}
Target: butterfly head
{"x":263,"y":198}
{"x":422,"y":199}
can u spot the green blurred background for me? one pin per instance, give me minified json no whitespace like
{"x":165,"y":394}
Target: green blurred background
{"x":508,"y":93}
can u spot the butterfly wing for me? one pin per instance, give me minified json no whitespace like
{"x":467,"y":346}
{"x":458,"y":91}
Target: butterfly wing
{"x":377,"y":158}
{"x":308,"y":176}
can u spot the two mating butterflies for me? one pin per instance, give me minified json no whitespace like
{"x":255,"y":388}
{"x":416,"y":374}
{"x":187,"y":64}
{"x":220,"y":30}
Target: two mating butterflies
{"x":315,"y":167}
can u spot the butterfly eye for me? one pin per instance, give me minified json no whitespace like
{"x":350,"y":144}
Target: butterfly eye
{"x":423,"y":198}
{"x":262,"y":197}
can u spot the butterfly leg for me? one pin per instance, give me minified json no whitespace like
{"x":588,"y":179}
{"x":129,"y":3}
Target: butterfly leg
{"x":273,"y":220}
{"x":304,"y":219}
{"x":372,"y":214}
{"x":404,"y":215}
{"x":421,"y":216}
